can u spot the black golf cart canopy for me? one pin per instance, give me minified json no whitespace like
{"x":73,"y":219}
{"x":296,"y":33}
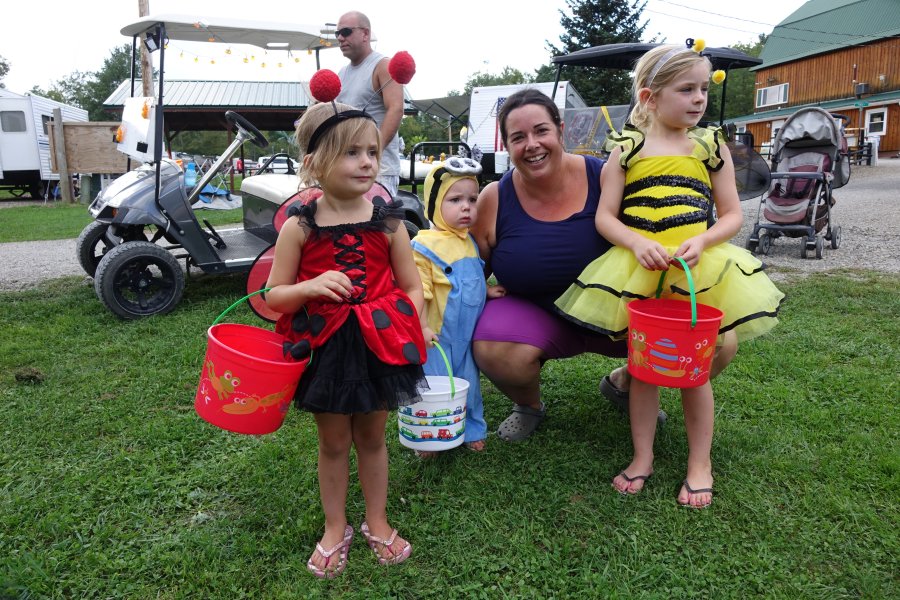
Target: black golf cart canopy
{"x":624,"y":56}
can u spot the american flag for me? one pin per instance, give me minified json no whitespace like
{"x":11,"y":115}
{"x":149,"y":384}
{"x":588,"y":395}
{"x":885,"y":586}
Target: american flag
{"x":498,"y":139}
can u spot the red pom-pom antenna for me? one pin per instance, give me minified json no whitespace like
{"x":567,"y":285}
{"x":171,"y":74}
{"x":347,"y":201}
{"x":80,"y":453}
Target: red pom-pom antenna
{"x":402,"y":67}
{"x":325,"y":85}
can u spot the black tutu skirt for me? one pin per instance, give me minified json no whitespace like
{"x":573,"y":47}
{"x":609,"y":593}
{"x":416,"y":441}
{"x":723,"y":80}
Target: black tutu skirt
{"x":345,"y":377}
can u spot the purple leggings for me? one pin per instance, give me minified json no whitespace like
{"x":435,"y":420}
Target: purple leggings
{"x":512,"y":319}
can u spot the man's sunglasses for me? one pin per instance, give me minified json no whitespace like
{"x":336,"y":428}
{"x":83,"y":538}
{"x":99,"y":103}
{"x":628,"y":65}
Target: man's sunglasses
{"x":346,"y":31}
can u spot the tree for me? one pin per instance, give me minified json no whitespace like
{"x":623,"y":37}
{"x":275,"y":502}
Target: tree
{"x":507,"y":76}
{"x":89,"y":90}
{"x":4,"y":68}
{"x":595,"y":23}
{"x":740,"y":91}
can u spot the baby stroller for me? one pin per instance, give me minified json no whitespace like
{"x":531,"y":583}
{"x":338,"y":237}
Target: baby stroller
{"x":809,"y":160}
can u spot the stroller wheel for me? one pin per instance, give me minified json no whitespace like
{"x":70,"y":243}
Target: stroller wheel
{"x":765,"y":243}
{"x":803,"y":242}
{"x":751,"y":244}
{"x":820,"y":245}
{"x":836,"y":237}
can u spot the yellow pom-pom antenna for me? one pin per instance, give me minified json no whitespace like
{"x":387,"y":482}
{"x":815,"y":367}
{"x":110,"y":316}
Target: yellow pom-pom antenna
{"x":718,"y":76}
{"x":699,"y":45}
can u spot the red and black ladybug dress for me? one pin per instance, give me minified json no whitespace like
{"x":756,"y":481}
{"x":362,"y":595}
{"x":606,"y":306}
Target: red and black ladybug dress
{"x":367,"y":351}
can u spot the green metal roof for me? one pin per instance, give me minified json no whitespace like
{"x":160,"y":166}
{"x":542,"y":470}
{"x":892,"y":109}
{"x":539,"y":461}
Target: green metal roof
{"x":821,"y":26}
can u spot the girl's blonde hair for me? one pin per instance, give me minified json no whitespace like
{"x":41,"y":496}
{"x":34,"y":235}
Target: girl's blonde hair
{"x":655,"y":70}
{"x":333,"y":143}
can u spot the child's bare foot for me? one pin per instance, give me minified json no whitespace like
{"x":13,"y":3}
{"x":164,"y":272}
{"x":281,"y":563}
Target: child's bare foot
{"x":632,"y":479}
{"x":696,"y":490}
{"x":477,"y":445}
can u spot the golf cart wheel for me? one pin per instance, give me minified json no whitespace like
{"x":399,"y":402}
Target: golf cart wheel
{"x":836,"y":237}
{"x":92,"y":244}
{"x":803,"y":242}
{"x":139,"y":279}
{"x":820,"y":246}
{"x":765,"y":243}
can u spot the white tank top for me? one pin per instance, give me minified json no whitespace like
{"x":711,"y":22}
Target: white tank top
{"x":357,"y":91}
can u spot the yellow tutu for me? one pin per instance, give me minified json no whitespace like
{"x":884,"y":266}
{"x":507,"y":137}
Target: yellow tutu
{"x":727,"y":277}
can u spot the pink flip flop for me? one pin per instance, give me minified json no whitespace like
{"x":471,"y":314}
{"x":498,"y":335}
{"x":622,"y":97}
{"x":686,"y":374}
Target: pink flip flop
{"x":342,"y":548}
{"x":374,"y":541}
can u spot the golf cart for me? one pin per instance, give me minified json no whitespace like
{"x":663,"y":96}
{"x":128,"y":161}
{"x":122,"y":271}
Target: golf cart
{"x":144,"y":221}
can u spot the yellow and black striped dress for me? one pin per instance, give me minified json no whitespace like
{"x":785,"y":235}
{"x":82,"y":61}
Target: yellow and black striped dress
{"x":667,"y":199}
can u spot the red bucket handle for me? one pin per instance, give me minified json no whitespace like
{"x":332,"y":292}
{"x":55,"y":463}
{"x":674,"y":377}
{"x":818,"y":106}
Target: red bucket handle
{"x":690,"y":280}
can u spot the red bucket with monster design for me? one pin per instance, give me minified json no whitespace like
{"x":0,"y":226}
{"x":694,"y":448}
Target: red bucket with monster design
{"x":246,"y":385}
{"x":671,"y":343}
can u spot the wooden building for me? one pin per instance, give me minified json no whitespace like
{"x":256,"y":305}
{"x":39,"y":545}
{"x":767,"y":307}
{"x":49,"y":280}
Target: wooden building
{"x":839,"y":55}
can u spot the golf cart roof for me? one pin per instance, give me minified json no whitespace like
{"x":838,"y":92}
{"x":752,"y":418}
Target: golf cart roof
{"x":263,"y":34}
{"x":624,"y":56}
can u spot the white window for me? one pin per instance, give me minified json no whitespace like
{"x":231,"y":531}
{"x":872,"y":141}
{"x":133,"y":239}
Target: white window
{"x":876,"y":121}
{"x":769,"y":96}
{"x":12,"y":121}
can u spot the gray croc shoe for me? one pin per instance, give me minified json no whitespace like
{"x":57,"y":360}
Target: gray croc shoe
{"x":521,"y":423}
{"x":619,"y":399}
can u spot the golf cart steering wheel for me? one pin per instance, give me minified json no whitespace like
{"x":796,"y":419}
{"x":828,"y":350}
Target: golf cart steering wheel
{"x":245,"y":127}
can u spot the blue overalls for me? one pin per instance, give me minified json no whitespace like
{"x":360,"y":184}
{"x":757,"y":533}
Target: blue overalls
{"x":464,"y":305}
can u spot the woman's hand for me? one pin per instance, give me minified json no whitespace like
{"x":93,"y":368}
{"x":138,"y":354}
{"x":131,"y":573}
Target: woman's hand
{"x":652,"y":255}
{"x":330,"y":285}
{"x":690,"y":251}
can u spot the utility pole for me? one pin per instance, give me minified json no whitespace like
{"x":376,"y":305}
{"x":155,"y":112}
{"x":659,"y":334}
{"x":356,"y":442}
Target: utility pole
{"x":146,"y":63}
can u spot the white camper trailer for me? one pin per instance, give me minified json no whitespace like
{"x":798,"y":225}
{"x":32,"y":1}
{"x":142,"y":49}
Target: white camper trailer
{"x":484,"y":126}
{"x":25,"y":141}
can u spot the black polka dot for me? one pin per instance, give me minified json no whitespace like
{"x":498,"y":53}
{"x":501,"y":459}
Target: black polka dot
{"x":448,"y":270}
{"x":405,"y":307}
{"x":285,"y":347}
{"x":411,"y":353}
{"x":300,"y":350}
{"x":300,"y":322}
{"x":381,"y":319}
{"x":316,"y":324}
{"x":379,"y":201}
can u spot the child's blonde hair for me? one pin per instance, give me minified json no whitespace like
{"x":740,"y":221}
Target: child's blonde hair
{"x":332,"y":143}
{"x":655,"y":70}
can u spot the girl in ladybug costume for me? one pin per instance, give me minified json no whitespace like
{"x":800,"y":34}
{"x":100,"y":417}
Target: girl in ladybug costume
{"x":347,"y":287}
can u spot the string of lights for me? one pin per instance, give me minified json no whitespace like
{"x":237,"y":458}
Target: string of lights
{"x":769,"y":25}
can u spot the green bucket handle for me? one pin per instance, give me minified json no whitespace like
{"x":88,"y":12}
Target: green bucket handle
{"x":230,"y":308}
{"x":449,"y":368}
{"x":690,"y":280}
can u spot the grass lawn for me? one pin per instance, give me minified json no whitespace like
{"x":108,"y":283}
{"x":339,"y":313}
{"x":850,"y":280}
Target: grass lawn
{"x":113,"y":487}
{"x":61,"y":220}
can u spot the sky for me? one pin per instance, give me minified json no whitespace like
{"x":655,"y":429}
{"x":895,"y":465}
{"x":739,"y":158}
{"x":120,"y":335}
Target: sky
{"x":40,"y":39}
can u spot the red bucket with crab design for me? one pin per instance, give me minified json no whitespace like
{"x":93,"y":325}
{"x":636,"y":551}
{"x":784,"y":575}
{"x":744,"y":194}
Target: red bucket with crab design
{"x":246,"y":385}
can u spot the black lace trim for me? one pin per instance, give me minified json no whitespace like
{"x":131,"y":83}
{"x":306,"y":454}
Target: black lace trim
{"x":386,"y":218}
